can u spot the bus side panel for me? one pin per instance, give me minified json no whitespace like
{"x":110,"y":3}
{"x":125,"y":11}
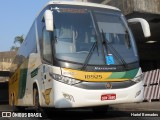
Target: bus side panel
{"x":22,"y":79}
{"x":13,"y":88}
{"x":34,"y":63}
{"x":18,"y":84}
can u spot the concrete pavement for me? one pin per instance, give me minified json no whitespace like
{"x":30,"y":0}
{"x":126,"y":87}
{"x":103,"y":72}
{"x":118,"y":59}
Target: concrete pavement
{"x":144,"y":106}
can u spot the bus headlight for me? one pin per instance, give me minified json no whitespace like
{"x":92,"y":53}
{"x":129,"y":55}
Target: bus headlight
{"x":64,"y":79}
{"x":138,"y":78}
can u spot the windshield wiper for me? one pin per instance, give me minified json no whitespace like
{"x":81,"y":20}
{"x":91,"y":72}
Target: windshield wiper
{"x":116,"y":54}
{"x":95,"y":44}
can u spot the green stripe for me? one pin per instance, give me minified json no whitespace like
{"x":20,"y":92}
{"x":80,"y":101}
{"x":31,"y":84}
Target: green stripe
{"x":131,"y":73}
{"x":23,"y":79}
{"x":124,"y":75}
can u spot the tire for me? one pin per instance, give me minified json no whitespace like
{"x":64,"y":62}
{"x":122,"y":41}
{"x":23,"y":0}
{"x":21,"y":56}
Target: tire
{"x":36,"y":99}
{"x":13,"y":104}
{"x":16,"y":108}
{"x":36,"y":103}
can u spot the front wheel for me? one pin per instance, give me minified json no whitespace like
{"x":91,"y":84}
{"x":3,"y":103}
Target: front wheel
{"x":36,"y":99}
{"x":36,"y":103}
{"x":13,"y":104}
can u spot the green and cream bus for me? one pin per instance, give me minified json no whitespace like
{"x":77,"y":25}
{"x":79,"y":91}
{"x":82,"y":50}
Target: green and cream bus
{"x":77,"y":54}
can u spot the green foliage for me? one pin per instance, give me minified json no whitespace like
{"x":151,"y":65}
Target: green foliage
{"x":14,"y":48}
{"x":18,"y":40}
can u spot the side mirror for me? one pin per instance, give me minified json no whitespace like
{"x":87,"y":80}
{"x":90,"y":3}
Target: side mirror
{"x":144,"y":24}
{"x":48,"y":18}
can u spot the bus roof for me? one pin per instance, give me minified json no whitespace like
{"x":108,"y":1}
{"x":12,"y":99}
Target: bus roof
{"x":79,"y":4}
{"x":83,"y":4}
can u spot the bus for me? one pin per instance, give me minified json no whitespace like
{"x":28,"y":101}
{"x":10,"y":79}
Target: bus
{"x":77,"y":54}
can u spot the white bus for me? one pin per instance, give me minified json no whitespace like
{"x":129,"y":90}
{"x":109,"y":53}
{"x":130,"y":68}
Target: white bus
{"x":77,"y":54}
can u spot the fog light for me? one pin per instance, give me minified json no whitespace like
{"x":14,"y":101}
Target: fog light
{"x":138,"y":93}
{"x":68,"y":97}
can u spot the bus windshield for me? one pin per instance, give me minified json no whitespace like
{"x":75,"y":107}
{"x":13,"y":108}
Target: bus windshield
{"x":77,"y":30}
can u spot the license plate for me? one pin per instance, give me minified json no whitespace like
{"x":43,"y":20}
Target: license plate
{"x":108,"y":97}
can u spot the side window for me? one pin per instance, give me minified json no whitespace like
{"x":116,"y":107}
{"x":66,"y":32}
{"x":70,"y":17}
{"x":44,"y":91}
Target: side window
{"x":47,"y":51}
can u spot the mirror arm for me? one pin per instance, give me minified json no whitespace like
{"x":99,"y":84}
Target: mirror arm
{"x":144,"y":24}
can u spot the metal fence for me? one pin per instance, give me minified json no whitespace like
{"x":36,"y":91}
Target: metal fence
{"x":152,"y":85}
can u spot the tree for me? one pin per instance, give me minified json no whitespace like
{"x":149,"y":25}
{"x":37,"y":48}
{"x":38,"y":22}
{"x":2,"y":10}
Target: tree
{"x":14,"y":48}
{"x":18,"y":40}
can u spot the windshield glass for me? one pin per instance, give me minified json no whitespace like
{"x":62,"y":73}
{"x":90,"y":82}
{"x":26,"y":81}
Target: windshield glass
{"x":76,"y":32}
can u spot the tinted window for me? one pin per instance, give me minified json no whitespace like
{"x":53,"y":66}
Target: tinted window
{"x":28,"y":46}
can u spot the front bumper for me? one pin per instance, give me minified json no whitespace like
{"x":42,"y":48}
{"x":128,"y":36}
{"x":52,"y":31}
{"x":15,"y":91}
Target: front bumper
{"x":66,"y":96}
